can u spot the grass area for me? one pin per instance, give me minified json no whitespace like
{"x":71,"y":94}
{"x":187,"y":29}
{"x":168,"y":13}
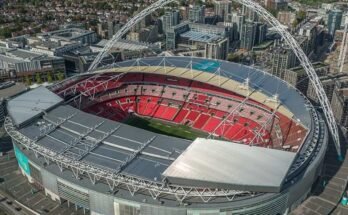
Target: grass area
{"x":315,"y":2}
{"x":160,"y":127}
{"x":3,"y":212}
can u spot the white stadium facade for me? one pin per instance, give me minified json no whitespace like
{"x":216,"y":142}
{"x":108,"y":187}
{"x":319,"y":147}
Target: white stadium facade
{"x":262,"y":150}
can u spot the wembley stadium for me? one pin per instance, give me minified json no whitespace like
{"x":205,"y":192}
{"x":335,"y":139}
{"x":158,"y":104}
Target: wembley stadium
{"x":170,"y":135}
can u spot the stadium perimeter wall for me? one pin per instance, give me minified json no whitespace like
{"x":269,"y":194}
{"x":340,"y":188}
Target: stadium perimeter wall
{"x":96,"y":199}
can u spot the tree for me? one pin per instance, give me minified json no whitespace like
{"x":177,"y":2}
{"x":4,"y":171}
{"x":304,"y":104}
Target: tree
{"x":61,"y":76}
{"x":294,"y":23}
{"x":27,"y":80}
{"x":38,"y":78}
{"x":301,"y":15}
{"x":5,"y":32}
{"x":49,"y":77}
{"x":233,"y":57}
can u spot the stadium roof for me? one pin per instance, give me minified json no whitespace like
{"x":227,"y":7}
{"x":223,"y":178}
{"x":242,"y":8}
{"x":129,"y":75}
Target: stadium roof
{"x":116,"y":143}
{"x":214,"y":163}
{"x":259,"y":80}
{"x":30,"y":104}
{"x":201,"y":163}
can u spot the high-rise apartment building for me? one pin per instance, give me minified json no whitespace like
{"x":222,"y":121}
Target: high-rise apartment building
{"x":334,"y":21}
{"x":223,"y":9}
{"x":169,"y":19}
{"x":248,"y":35}
{"x":282,"y":58}
{"x":237,"y":22}
{"x":328,"y":82}
{"x":197,"y":14}
{"x":298,"y":77}
{"x":250,"y":14}
{"x":339,"y":103}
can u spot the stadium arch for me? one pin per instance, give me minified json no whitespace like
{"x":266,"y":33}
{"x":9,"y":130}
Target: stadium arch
{"x":270,"y":19}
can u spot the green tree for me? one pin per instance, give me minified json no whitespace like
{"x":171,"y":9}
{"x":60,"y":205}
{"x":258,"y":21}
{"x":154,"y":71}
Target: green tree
{"x":61,"y":76}
{"x":27,"y":80}
{"x":5,"y":32}
{"x":301,"y":15}
{"x":38,"y":78}
{"x":233,"y":57}
{"x":49,"y":77}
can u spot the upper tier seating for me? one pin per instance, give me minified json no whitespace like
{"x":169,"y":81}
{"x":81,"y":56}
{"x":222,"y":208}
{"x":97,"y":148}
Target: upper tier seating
{"x":198,"y":105}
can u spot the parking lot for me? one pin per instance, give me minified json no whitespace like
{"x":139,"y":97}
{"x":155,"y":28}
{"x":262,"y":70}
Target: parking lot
{"x":15,"y":187}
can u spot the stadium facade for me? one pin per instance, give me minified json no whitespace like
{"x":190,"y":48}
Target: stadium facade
{"x":263,"y":149}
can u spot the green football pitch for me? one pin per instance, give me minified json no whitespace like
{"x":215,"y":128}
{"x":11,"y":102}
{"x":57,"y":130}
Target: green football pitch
{"x":160,"y":127}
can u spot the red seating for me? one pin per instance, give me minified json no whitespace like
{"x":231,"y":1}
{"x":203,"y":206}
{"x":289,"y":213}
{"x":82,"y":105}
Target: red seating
{"x":192,"y":115}
{"x":181,"y":116}
{"x":169,"y":113}
{"x":194,"y":104}
{"x":211,"y":124}
{"x":200,"y":122}
{"x":222,"y":129}
{"x":160,"y":111}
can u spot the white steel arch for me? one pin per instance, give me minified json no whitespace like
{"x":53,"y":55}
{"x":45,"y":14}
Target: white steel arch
{"x":264,"y":14}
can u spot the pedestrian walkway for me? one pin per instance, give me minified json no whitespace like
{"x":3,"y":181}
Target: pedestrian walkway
{"x":326,"y":195}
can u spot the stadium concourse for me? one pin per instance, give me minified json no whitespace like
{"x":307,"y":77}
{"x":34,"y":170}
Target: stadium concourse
{"x":220,"y":138}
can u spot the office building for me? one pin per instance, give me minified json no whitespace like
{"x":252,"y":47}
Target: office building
{"x":197,"y":14}
{"x":223,"y":9}
{"x":202,"y":40}
{"x":298,"y":78}
{"x":328,"y":82}
{"x":282,"y":58}
{"x":250,"y":14}
{"x":248,"y":35}
{"x":261,"y":32}
{"x":169,"y":19}
{"x":309,"y":30}
{"x":286,"y":18}
{"x":19,"y":63}
{"x":237,"y":21}
{"x":53,"y":48}
{"x":71,"y":34}
{"x":334,"y":21}
{"x":339,"y":103}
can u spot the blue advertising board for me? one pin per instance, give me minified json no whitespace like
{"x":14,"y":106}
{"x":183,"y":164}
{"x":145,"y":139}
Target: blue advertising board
{"x":22,"y":159}
{"x":206,"y":65}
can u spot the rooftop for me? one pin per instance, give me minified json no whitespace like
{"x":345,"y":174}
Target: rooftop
{"x":68,"y":34}
{"x":214,"y":163}
{"x":11,"y":90}
{"x":116,"y":143}
{"x":316,"y":65}
{"x":26,"y":106}
{"x":21,"y":55}
{"x":128,"y":45}
{"x":200,"y":37}
{"x":308,"y":25}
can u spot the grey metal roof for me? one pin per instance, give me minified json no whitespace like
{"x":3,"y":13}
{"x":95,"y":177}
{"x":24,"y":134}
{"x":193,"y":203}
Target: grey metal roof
{"x":12,"y":90}
{"x":214,"y":163}
{"x":113,"y":151}
{"x":200,"y":37}
{"x":31,"y":104}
